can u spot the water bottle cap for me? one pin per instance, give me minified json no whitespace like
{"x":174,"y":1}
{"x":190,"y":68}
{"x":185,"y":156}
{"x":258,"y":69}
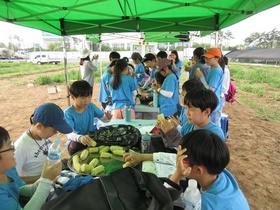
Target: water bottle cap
{"x":192,"y":183}
{"x":57,"y":141}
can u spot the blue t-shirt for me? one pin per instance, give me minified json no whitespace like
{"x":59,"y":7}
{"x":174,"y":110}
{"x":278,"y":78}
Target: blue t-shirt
{"x":183,"y":117}
{"x":168,"y":106}
{"x":187,"y":128}
{"x":123,"y":94}
{"x":224,"y":193}
{"x":215,"y":79}
{"x":103,"y":93}
{"x":179,"y":65}
{"x":9,"y":193}
{"x":152,"y":73}
{"x":82,"y":123}
{"x":140,"y":72}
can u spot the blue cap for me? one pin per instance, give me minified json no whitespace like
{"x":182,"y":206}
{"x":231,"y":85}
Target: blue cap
{"x":52,"y":115}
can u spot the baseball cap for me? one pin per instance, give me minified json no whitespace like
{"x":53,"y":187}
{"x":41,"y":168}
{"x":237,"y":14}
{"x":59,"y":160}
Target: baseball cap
{"x":52,"y":115}
{"x":84,"y":53}
{"x":213,"y":52}
{"x":149,"y":57}
{"x":163,"y":63}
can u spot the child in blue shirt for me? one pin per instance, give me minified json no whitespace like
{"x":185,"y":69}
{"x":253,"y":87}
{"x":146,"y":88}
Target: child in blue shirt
{"x":139,"y":67}
{"x":199,"y":103}
{"x":186,"y":87}
{"x":203,"y":156}
{"x":168,"y":94}
{"x":176,"y":63}
{"x":214,"y":80}
{"x":123,"y":90}
{"x":80,"y":116}
{"x":12,"y":186}
{"x":104,"y":85}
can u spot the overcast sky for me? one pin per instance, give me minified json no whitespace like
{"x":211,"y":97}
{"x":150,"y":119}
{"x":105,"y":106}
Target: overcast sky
{"x":261,"y":22}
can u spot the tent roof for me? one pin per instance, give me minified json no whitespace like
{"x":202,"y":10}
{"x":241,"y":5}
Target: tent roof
{"x":265,"y":54}
{"x":66,"y":17}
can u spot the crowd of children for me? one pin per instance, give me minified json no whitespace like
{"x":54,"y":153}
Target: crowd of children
{"x":190,"y":131}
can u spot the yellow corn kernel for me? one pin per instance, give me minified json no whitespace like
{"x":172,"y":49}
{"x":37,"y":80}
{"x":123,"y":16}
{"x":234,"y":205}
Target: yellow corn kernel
{"x":105,"y":155}
{"x":84,"y":154}
{"x":119,"y":152}
{"x":97,"y":170}
{"x":93,"y":149}
{"x":93,"y":163}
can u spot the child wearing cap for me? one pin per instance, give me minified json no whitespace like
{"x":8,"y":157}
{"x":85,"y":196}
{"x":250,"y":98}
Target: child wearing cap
{"x":81,"y":115}
{"x":86,"y":67}
{"x":11,"y":184}
{"x":169,"y":92}
{"x":139,"y":67}
{"x":32,"y":146}
{"x":213,"y":80}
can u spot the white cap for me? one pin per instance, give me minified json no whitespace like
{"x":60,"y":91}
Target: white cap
{"x":192,"y":183}
{"x":84,"y":53}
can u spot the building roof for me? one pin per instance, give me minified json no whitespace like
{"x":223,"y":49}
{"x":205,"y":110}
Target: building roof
{"x":262,"y":54}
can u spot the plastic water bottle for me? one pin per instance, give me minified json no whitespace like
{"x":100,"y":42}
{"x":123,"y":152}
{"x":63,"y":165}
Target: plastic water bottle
{"x":127,"y":113}
{"x":155,"y":99}
{"x":146,"y":143}
{"x":108,"y":109}
{"x":192,"y":196}
{"x":54,"y":154}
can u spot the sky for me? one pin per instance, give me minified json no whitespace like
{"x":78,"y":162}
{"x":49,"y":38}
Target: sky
{"x":261,"y":22}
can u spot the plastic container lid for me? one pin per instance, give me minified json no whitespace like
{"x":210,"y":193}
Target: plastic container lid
{"x":192,"y":183}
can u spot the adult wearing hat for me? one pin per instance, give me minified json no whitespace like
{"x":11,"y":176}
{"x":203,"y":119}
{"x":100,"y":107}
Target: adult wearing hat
{"x":86,"y":67}
{"x":213,"y":80}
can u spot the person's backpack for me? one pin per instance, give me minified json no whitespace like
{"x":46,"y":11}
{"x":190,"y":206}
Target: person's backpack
{"x":124,"y":189}
{"x":230,"y":97}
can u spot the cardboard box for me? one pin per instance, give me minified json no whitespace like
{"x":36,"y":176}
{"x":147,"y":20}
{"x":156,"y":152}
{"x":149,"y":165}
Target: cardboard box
{"x":54,"y":92}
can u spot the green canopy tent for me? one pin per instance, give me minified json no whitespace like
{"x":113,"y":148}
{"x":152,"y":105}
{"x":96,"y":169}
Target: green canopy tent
{"x":66,"y":17}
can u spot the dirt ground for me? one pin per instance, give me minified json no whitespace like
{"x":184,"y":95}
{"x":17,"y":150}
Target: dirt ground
{"x":253,"y":141}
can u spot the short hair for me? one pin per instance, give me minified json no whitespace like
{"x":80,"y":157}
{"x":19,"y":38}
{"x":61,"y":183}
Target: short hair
{"x":162,"y":54}
{"x":114,"y":55}
{"x":207,"y":149}
{"x":4,"y":136}
{"x":190,"y":84}
{"x":201,"y":98}
{"x":80,"y":88}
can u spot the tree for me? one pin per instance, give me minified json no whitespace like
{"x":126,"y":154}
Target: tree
{"x":2,"y":45}
{"x":269,"y":39}
{"x":54,"y":46}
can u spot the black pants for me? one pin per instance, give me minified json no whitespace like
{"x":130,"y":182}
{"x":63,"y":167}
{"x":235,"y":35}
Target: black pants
{"x":157,"y":145}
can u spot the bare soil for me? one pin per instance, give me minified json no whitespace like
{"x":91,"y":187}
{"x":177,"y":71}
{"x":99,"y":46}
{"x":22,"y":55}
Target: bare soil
{"x":253,"y":140}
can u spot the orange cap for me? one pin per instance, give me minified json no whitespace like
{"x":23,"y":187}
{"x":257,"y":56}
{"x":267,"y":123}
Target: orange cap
{"x":213,"y":52}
